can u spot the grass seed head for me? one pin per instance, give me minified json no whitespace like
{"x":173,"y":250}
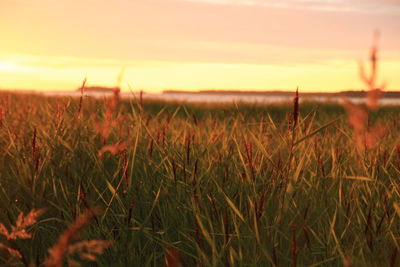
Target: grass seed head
{"x":61,"y":248}
{"x":296,"y":111}
{"x":19,"y":230}
{"x":172,"y":258}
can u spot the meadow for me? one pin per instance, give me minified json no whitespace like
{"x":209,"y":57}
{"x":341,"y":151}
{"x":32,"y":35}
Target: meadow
{"x":104,"y":182}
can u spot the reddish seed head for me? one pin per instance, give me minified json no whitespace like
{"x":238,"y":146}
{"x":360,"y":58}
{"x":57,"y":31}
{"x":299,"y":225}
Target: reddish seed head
{"x":295,"y":113}
{"x":172,"y":258}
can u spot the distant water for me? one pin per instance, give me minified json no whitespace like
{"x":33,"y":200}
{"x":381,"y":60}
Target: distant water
{"x":222,"y":98}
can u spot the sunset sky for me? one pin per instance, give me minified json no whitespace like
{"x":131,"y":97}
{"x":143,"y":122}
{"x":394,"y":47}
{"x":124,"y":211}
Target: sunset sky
{"x":196,"y":44}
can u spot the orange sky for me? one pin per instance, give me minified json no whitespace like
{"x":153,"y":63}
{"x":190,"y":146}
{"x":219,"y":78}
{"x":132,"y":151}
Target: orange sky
{"x":196,"y":44}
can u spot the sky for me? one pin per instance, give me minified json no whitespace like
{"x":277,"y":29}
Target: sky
{"x":196,"y":44}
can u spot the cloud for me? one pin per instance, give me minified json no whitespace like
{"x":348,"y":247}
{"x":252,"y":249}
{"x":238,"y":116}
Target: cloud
{"x":366,"y":6}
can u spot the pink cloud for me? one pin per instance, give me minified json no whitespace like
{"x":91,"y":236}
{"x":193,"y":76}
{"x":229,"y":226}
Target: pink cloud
{"x":369,"y":6}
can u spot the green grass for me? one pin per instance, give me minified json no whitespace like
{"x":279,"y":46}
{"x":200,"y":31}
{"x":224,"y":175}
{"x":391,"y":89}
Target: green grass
{"x":221,"y":183}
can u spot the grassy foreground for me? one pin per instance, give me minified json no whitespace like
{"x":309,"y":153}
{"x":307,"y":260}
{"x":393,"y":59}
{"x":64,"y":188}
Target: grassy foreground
{"x":205,"y":185}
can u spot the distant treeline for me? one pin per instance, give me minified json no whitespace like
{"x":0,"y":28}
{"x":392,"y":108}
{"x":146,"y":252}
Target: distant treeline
{"x":350,"y":93}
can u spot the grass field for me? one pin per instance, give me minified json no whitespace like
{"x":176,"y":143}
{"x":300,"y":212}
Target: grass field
{"x":188,"y":184}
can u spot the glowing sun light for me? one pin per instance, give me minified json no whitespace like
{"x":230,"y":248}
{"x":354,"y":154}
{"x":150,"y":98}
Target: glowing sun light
{"x":11,"y":67}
